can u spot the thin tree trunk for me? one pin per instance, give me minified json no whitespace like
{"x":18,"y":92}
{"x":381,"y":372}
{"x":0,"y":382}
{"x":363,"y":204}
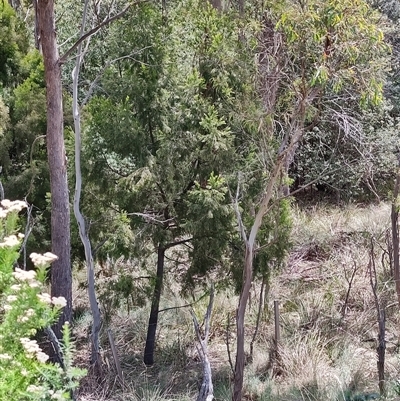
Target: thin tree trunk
{"x":1,"y":187}
{"x":206,"y":392}
{"x":248,"y":273}
{"x":381,"y":319}
{"x":61,"y":277}
{"x":95,"y":354}
{"x":395,"y":233}
{"x":259,"y":311}
{"x":240,"y":315}
{"x":155,"y":306}
{"x":380,"y":350}
{"x":36,"y":25}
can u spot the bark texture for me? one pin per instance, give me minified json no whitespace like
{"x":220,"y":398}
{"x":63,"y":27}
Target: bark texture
{"x":61,"y":278}
{"x":206,"y":392}
{"x":240,"y":316}
{"x":155,"y":305}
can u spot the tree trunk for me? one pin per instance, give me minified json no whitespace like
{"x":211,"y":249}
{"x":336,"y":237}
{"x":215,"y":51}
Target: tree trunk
{"x":15,"y":4}
{"x":206,"y":392}
{"x":36,"y":26}
{"x":395,"y":233}
{"x":217,"y":4}
{"x":61,"y":277}
{"x":155,"y":304}
{"x":240,"y":315}
{"x":83,"y":232}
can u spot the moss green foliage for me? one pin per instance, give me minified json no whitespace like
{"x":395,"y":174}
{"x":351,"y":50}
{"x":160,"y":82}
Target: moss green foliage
{"x":26,"y":308}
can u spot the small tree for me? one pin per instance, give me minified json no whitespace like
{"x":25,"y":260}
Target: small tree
{"x":309,"y":67}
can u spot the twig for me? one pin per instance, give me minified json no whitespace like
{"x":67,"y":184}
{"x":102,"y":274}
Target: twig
{"x":115,"y":356}
{"x":183,"y":306}
{"x":350,"y":283}
{"x":228,"y":324}
{"x":56,"y":345}
{"x":28,"y":230}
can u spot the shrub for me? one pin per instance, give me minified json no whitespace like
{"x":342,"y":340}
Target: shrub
{"x":25,"y":308}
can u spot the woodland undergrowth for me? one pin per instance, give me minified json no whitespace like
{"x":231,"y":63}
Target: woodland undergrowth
{"x":328,"y":322}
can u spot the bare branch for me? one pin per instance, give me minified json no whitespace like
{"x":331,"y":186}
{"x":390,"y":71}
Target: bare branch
{"x":149,"y":218}
{"x":237,"y":211}
{"x":183,"y":306}
{"x":107,"y":64}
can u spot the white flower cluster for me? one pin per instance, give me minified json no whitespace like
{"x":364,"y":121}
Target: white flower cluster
{"x":24,"y":275}
{"x":26,"y":316}
{"x":10,"y":241}
{"x":57,"y":395}
{"x":43,"y":260}
{"x":29,"y":276}
{"x":32,"y":349}
{"x":54,"y":395}
{"x":8,"y":206}
{"x":59,"y":302}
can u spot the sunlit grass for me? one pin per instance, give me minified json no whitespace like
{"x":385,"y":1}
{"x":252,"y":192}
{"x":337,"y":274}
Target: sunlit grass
{"x":328,"y":324}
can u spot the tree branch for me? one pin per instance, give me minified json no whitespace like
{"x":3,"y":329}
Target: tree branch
{"x":94,"y":30}
{"x":237,"y":211}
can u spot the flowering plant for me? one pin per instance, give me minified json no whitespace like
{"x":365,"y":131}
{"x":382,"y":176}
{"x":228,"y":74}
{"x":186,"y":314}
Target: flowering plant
{"x":26,"y":307}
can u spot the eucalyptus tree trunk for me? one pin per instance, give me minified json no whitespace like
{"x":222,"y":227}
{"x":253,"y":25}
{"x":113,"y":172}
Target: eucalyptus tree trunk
{"x":250,"y":243}
{"x":61,"y":277}
{"x":285,"y":152}
{"x":83,"y":233}
{"x":240,"y":316}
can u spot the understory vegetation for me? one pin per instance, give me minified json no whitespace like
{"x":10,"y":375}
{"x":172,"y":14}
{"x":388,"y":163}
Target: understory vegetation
{"x":328,"y":320}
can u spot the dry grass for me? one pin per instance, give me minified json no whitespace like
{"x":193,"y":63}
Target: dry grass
{"x":329,"y":332}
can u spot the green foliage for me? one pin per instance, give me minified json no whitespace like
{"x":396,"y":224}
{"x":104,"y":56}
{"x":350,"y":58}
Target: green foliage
{"x":26,"y":308}
{"x":358,"y":167}
{"x":336,"y":60}
{"x":208,"y":213}
{"x":119,"y":287}
{"x":187,"y":118}
{"x":334,"y":47}
{"x":13,"y":44}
